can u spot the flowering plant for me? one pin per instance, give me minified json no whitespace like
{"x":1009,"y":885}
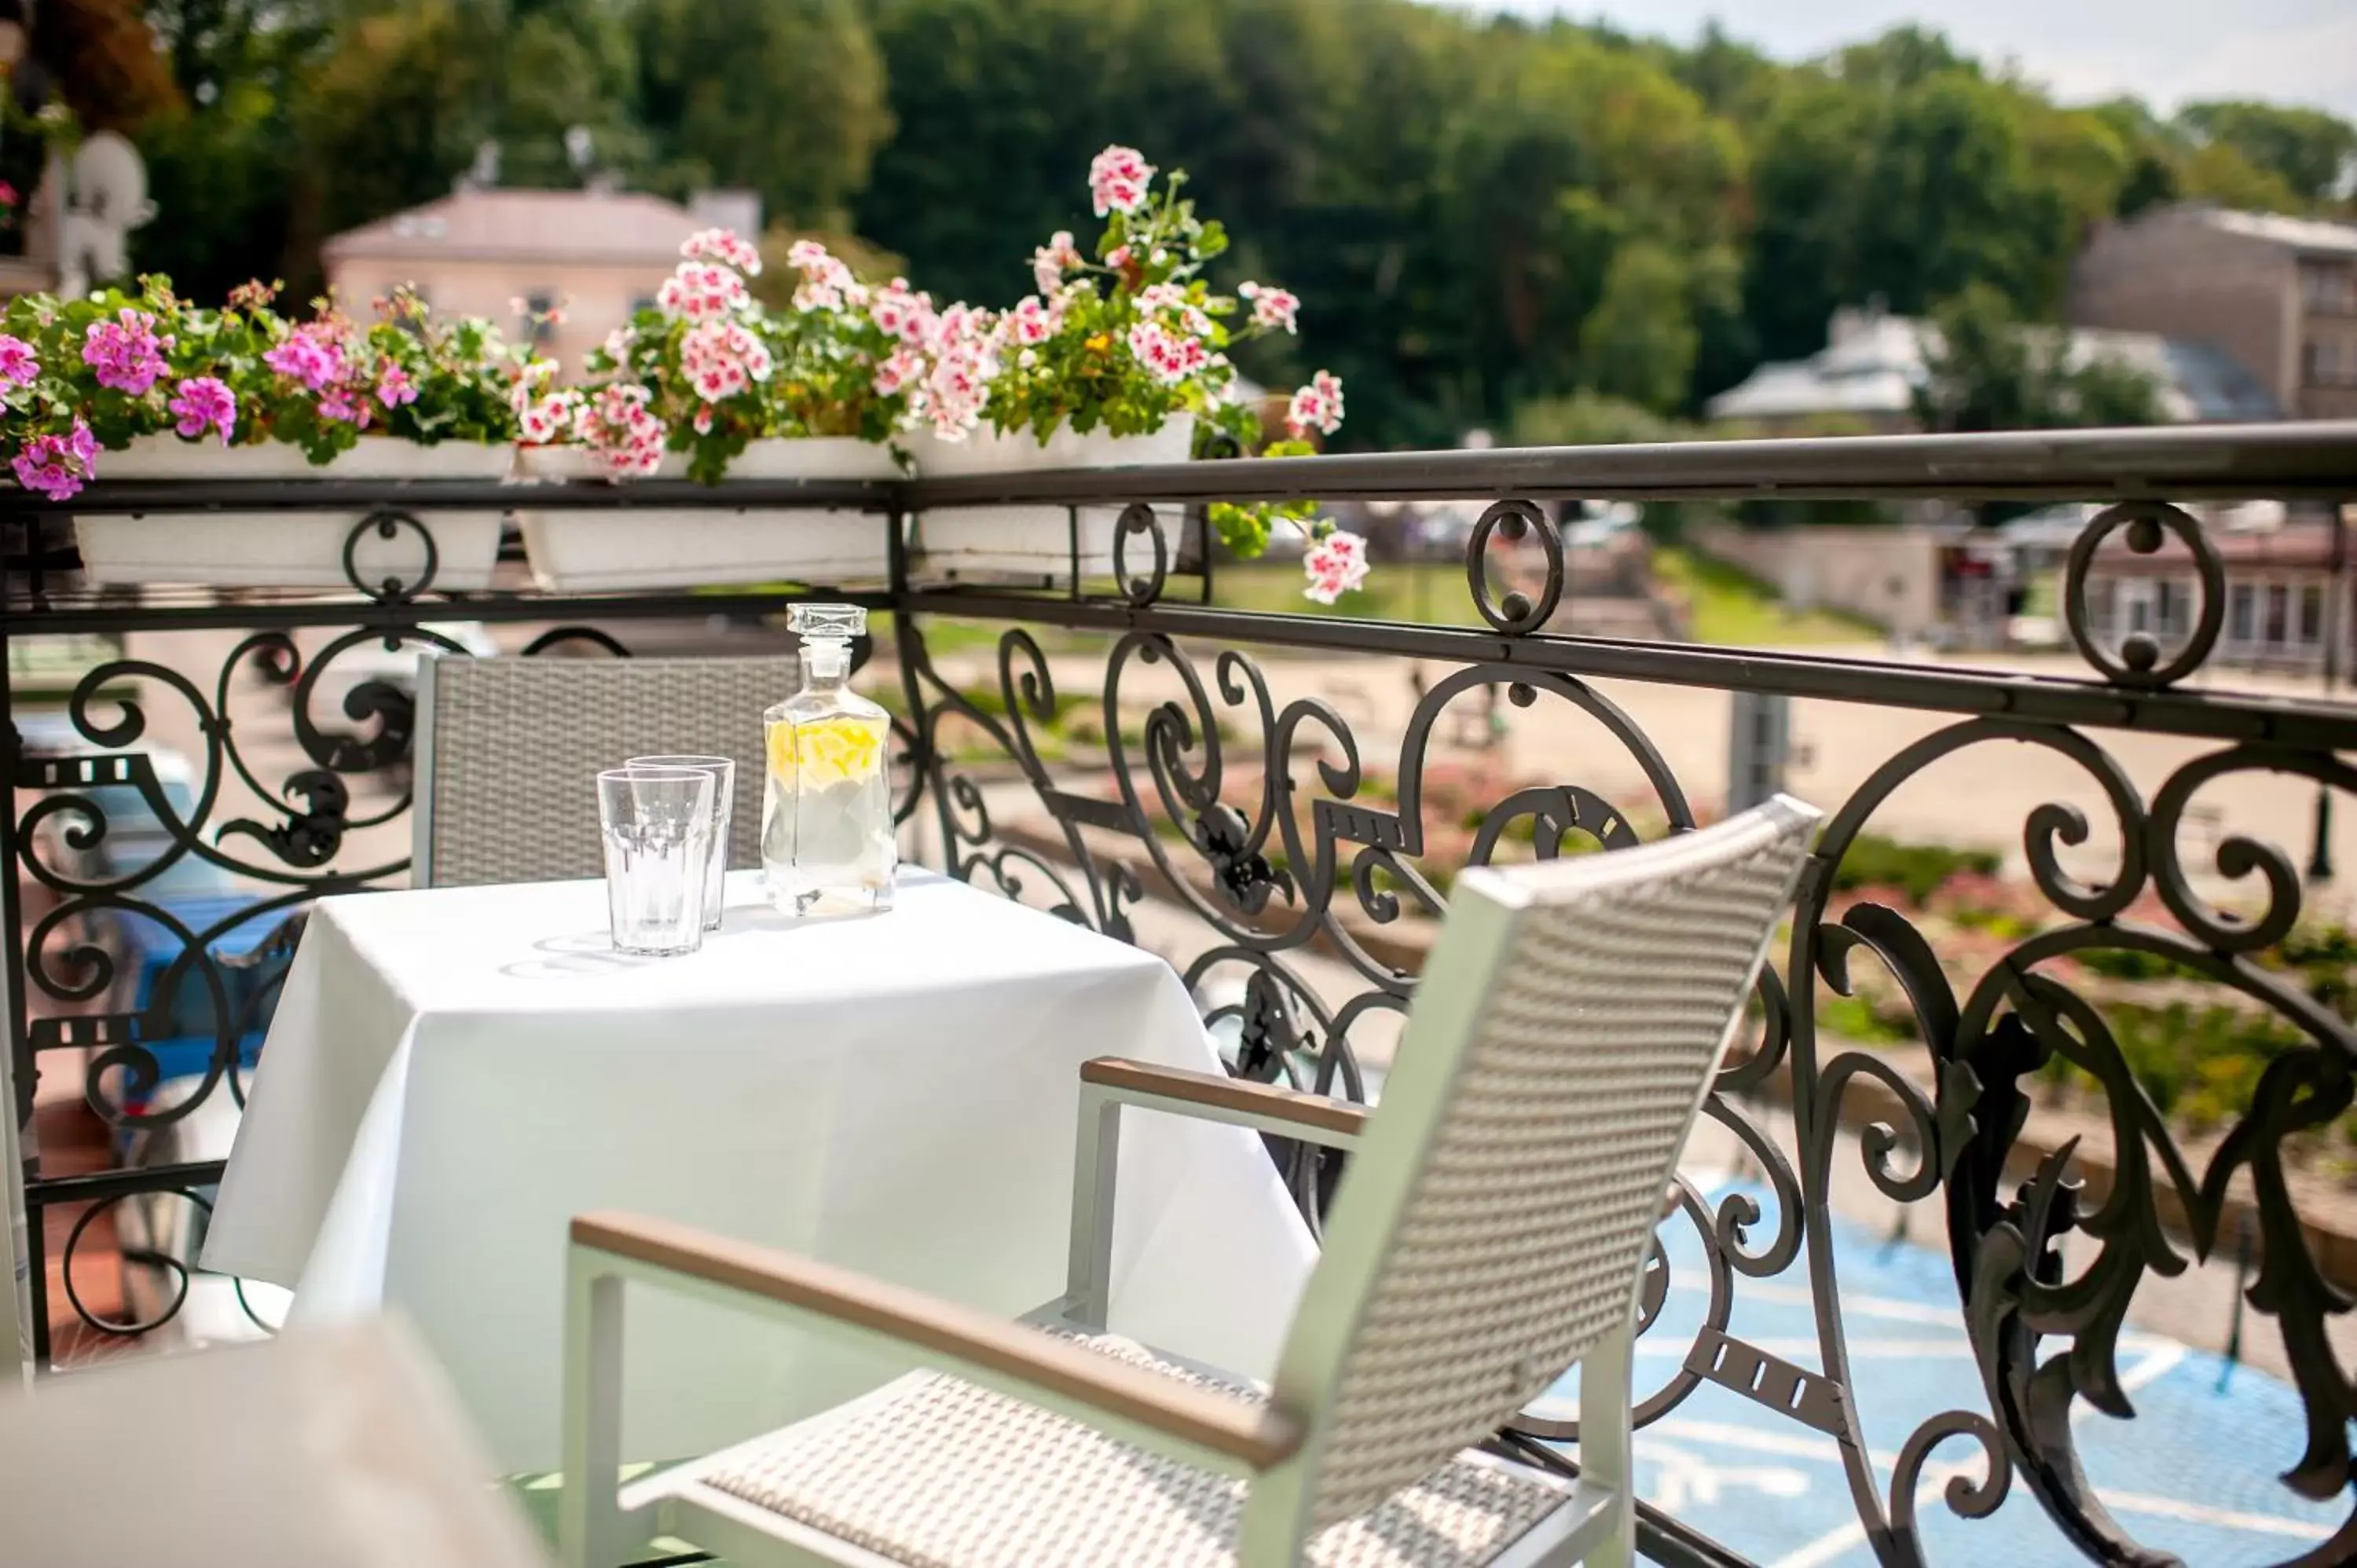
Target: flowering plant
{"x":708,"y":366}
{"x":324,"y":382}
{"x":96,"y":372}
{"x":1134,"y":337}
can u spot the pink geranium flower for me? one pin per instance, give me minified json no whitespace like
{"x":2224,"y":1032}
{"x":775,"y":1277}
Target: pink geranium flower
{"x":203,"y":403}
{"x":310,"y":354}
{"x":1335,"y":566}
{"x":394,"y":387}
{"x":344,"y":406}
{"x":126,"y":353}
{"x":17,"y":363}
{"x":56,"y":465}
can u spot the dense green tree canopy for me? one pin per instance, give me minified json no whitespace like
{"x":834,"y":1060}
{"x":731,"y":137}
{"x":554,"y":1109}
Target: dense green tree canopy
{"x":1480,"y":213}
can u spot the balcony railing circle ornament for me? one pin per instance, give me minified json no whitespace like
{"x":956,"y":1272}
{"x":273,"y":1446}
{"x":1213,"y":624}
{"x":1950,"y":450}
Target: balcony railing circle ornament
{"x":1515,"y":613}
{"x":181,"y":1273}
{"x":2147,"y":525}
{"x":386,"y":524}
{"x":1138,"y":518}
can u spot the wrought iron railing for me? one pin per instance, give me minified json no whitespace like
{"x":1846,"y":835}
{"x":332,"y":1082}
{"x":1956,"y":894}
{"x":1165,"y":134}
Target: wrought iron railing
{"x":1289,"y":846}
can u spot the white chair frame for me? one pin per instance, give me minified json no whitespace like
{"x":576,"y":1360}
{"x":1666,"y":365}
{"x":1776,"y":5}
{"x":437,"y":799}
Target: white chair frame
{"x":1274,"y":1445}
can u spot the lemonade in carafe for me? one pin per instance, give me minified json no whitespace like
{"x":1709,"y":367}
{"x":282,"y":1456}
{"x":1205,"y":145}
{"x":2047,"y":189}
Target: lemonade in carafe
{"x":826,"y":807}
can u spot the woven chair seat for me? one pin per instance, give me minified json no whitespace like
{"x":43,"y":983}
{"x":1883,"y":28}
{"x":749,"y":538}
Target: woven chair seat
{"x":934,"y":1471}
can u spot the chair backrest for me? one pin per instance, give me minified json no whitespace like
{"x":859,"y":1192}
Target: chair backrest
{"x":508,"y":750}
{"x":1494,"y":1220}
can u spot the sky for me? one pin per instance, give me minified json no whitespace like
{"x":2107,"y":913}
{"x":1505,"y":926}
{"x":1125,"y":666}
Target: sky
{"x":2165,"y":51}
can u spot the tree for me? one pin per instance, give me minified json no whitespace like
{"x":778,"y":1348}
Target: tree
{"x":1907,"y":175}
{"x":105,"y":60}
{"x":2312,"y":152}
{"x":386,"y":119}
{"x":785,"y":97}
{"x":1986,"y":369}
{"x":222,"y":158}
{"x":1639,"y":343}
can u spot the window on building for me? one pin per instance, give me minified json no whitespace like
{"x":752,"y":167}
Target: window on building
{"x":2176,"y":607}
{"x":2279,"y":613}
{"x":2311,"y":615}
{"x":643,"y":302}
{"x":537,"y":328}
{"x":2242,"y":613}
{"x":2330,"y":288}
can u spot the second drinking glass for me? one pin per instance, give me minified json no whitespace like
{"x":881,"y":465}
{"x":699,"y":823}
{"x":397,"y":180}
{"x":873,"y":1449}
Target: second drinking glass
{"x":723,"y":796}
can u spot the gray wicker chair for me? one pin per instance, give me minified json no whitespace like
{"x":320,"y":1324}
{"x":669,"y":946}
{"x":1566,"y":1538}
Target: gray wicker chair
{"x":508,"y":749}
{"x":1493,"y":1232}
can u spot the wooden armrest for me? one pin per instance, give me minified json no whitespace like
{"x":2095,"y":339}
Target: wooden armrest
{"x":1220,"y":1092}
{"x":1251,"y":1434}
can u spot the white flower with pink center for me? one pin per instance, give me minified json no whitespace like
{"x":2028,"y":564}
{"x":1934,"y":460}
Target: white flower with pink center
{"x":897,"y":372}
{"x":1335,"y":566}
{"x":957,"y":381}
{"x":902,"y":312}
{"x":1051,"y":261}
{"x":1118,"y":177}
{"x":616,"y":423}
{"x":1272,"y":309}
{"x":701,"y":291}
{"x":1163,"y":352}
{"x":548,"y":419}
{"x":1029,"y":322}
{"x":725,"y":246}
{"x":1318,"y":406}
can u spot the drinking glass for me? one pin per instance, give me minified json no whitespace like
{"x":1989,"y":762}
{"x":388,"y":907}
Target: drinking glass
{"x":658,"y":829}
{"x":724,"y":795}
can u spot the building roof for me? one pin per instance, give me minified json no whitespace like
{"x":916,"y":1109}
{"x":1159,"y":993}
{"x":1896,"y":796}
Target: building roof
{"x":2281,"y":229}
{"x":538,"y":225}
{"x":1872,"y":365}
{"x":2301,"y":543}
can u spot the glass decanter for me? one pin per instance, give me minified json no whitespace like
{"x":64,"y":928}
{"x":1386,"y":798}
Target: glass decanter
{"x":827,"y":846}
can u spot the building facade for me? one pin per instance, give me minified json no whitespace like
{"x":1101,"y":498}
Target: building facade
{"x":514,"y":255}
{"x":2277,"y":294}
{"x":2282,"y":585}
{"x":1873,"y":364}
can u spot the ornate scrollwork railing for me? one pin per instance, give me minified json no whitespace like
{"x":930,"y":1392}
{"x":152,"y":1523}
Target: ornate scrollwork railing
{"x":1307,"y":850}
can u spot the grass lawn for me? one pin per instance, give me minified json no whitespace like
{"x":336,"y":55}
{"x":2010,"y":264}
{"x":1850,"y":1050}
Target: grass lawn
{"x":1430,"y":593}
{"x":1733,"y":609}
{"x":1730,"y":609}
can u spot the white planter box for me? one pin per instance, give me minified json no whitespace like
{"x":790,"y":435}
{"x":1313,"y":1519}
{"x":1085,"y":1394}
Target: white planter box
{"x":679,"y":547}
{"x":1037,"y":540}
{"x":291,"y":549}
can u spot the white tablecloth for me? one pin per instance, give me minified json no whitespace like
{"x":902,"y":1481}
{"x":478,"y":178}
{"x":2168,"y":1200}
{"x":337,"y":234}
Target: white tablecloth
{"x":452,"y":1073}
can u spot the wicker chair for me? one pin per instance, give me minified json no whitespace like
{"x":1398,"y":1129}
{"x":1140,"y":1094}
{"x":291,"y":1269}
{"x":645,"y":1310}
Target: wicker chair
{"x":1491,"y":1232}
{"x":507,"y":749}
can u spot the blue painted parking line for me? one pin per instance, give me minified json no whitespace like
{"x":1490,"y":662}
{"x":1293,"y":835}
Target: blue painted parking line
{"x":2195,"y":1474}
